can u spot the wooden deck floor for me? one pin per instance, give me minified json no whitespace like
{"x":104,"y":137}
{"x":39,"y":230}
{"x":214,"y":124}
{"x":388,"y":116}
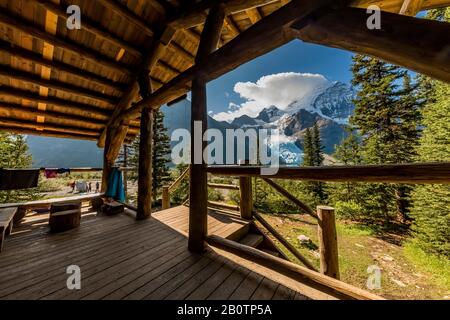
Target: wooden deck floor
{"x":224,"y":225}
{"x":124,"y":259}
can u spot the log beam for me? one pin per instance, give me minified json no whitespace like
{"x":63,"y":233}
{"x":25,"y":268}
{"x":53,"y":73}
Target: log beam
{"x":56,"y":85}
{"x":52,"y":64}
{"x":198,"y":209}
{"x":90,"y":26}
{"x":69,"y":107}
{"x":129,"y":15}
{"x":417,"y":44}
{"x":5,"y":122}
{"x":53,"y":134}
{"x":20,"y":25}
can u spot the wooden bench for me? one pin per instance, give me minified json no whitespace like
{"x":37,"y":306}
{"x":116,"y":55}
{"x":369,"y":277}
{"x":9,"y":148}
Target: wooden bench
{"x":6,"y":223}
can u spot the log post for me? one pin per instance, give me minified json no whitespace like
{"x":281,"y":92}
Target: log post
{"x":144,"y":203}
{"x":246,"y":202}
{"x":165,"y":198}
{"x":329,"y":262}
{"x":198,"y":209}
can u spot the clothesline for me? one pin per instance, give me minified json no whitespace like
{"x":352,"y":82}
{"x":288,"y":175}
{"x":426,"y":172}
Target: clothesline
{"x":88,"y":169}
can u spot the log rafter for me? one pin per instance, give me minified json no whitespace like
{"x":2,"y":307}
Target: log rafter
{"x":20,"y":25}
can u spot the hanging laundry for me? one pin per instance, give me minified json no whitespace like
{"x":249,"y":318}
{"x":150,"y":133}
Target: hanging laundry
{"x":115,"y":189}
{"x":51,"y":173}
{"x":16,"y":179}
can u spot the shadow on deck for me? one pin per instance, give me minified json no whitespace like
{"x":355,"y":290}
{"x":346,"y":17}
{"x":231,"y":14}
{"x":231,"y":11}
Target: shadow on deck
{"x":121,"y":258}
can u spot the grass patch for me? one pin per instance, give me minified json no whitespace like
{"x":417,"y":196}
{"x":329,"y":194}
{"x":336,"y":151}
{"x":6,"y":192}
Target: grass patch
{"x":351,"y":229}
{"x":438,"y":267}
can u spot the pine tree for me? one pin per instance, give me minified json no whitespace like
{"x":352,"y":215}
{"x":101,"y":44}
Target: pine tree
{"x":387,"y":116}
{"x":160,"y":154}
{"x":431,"y":203}
{"x":348,"y":153}
{"x":317,"y":146}
{"x":313,"y":156}
{"x":308,"y":149}
{"x":161,"y":151}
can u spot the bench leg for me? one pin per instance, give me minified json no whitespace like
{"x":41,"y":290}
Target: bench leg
{"x":8,"y":230}
{"x":2,"y":237}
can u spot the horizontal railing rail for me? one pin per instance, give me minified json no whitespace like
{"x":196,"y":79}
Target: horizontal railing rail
{"x":414,"y":173}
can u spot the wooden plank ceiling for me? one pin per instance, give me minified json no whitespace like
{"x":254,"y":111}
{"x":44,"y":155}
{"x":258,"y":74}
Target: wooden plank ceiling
{"x":66,"y":83}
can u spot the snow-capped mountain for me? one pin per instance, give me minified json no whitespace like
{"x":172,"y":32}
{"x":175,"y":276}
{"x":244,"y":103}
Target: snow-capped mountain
{"x":330,"y":106}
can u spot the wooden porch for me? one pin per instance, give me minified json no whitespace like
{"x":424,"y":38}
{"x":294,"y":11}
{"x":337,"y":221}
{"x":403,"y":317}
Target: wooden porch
{"x":121,"y":258}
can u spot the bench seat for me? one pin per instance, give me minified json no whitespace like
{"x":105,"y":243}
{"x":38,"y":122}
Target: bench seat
{"x":6,"y":223}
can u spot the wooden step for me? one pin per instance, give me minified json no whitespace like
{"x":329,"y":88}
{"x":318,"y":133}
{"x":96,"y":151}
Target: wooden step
{"x":252,"y":240}
{"x":239,"y":233}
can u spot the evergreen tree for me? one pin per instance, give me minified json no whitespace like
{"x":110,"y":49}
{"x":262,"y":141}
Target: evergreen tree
{"x":431,"y":203}
{"x":313,"y":156}
{"x":387,"y":116}
{"x":161,"y":151}
{"x":348,"y":153}
{"x":308,"y":149}
{"x":160,"y":154}
{"x":317,"y":146}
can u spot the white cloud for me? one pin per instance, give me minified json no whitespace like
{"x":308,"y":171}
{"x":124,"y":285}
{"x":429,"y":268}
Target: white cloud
{"x":279,"y":90}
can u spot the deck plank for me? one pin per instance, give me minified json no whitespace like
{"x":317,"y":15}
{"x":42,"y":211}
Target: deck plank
{"x":124,"y":259}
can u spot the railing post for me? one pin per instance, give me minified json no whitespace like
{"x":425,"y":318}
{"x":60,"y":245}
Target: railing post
{"x":246,"y":202}
{"x":165,"y":198}
{"x":329,"y":263}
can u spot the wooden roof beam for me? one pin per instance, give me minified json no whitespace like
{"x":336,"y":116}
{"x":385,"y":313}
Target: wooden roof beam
{"x":72,"y":107}
{"x":129,"y":15}
{"x":417,"y":44}
{"x":53,"y":134}
{"x":232,"y":26}
{"x":12,"y":111}
{"x":56,"y":85}
{"x":195,"y":16}
{"x":24,"y":54}
{"x":46,"y":126}
{"x":91,"y":27}
{"x":20,"y":25}
{"x":253,"y":14}
{"x":263,"y":37}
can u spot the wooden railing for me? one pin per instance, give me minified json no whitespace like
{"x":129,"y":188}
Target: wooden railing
{"x":167,"y":190}
{"x":392,"y":173}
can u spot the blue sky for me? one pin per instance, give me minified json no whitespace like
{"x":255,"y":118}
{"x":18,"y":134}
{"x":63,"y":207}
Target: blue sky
{"x":296,"y":56}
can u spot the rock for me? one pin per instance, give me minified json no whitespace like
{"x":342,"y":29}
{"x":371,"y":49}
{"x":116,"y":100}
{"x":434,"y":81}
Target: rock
{"x":359,"y":245}
{"x":303,"y":239}
{"x":399,"y":283}
{"x":446,"y":297}
{"x":387,"y":258}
